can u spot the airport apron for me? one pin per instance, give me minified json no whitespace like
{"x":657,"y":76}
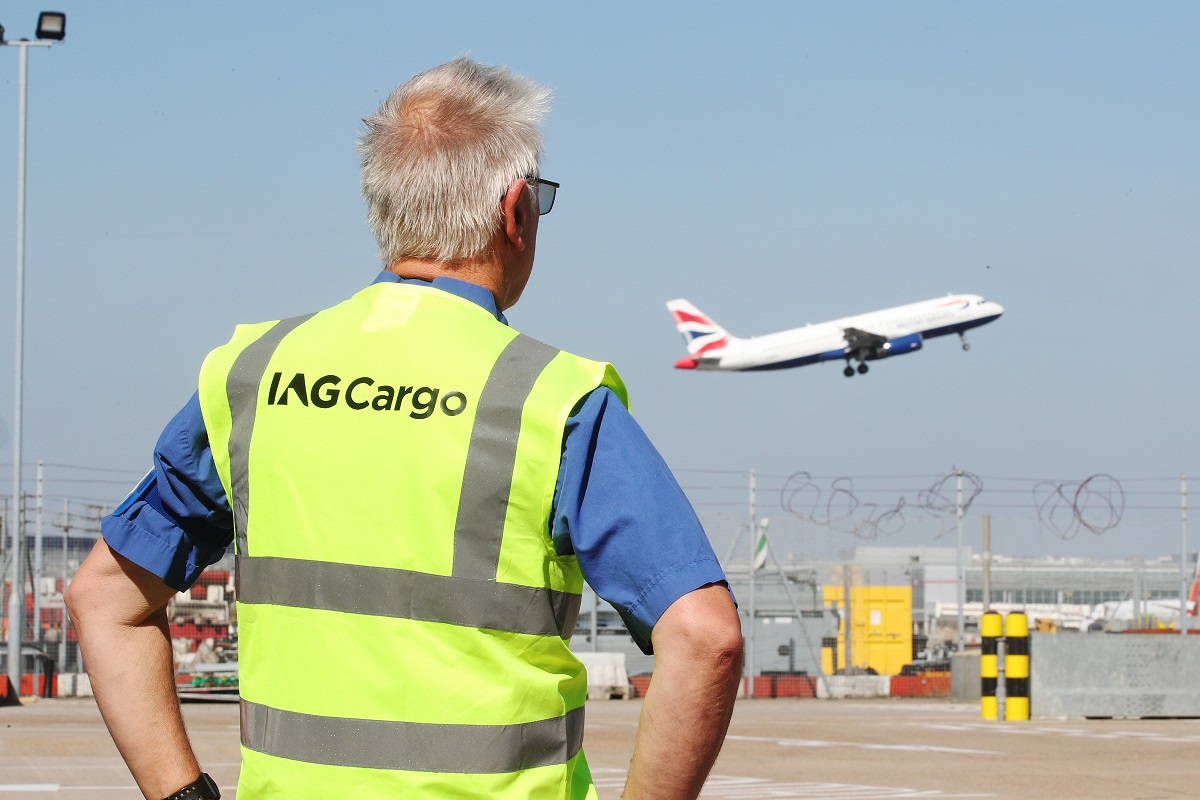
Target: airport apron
{"x":403,"y":616}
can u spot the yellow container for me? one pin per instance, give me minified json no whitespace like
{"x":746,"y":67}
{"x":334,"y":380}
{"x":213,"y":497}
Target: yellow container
{"x":881,"y":628}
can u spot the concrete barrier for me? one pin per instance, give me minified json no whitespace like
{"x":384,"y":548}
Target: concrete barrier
{"x":839,"y":687}
{"x":1114,"y":675}
{"x":74,"y":684}
{"x":965,"y":677}
{"x":606,"y":676}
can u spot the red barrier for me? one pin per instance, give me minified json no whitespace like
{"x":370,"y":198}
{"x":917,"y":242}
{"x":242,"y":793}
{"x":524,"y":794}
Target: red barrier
{"x":190,"y":630}
{"x":795,"y":686}
{"x":931,"y":684}
{"x":766,"y":686}
{"x":214,"y":577}
{"x":8,"y":697}
{"x":27,"y":689}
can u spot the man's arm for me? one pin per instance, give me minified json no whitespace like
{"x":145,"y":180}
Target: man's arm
{"x":697,"y":667}
{"x":119,"y":611}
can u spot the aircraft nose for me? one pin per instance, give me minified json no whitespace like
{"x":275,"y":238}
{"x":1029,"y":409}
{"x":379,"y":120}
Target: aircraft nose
{"x":997,"y":309}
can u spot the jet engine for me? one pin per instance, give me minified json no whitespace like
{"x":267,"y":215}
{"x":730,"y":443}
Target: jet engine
{"x":896,"y":347}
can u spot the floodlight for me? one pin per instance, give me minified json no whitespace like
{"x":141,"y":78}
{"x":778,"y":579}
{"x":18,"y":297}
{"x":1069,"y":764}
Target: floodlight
{"x":52,"y":25}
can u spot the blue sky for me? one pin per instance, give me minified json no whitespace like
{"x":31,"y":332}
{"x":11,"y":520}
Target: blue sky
{"x":191,"y":167}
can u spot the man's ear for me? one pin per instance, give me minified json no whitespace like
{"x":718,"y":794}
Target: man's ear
{"x":515,"y":210}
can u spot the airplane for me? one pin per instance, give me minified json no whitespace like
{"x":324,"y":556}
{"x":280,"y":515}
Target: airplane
{"x":866,"y":337}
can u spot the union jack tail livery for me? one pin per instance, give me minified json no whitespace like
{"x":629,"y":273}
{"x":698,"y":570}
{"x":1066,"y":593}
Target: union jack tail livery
{"x":705,"y":339}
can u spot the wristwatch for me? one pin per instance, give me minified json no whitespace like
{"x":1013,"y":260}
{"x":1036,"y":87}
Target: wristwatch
{"x":203,"y":788}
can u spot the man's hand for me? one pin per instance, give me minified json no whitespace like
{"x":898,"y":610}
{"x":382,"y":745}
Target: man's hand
{"x":697,"y":668}
{"x":119,"y":610}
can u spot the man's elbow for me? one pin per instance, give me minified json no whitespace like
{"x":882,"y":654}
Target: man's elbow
{"x":110,"y":590}
{"x":726,"y":645}
{"x":78,"y":600}
{"x":702,"y":627}
{"x":729,"y":643}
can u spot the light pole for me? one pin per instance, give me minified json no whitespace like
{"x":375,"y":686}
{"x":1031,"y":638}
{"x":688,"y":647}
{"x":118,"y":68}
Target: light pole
{"x":960,"y":581}
{"x":52,"y":26}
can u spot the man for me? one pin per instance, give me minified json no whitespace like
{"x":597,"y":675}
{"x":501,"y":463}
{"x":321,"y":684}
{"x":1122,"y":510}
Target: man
{"x":416,"y":493}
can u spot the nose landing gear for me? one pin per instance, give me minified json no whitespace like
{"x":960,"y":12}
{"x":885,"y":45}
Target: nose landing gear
{"x":963,"y":338}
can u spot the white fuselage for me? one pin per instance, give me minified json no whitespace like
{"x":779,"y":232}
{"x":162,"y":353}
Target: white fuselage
{"x":828,"y":341}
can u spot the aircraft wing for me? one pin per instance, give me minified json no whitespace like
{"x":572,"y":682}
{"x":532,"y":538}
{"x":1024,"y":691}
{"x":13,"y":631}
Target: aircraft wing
{"x":857,"y":339}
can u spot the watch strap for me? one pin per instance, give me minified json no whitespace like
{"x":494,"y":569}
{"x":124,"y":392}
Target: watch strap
{"x":203,"y":788}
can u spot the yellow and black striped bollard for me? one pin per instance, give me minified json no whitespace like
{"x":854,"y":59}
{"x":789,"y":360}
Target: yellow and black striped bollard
{"x":990,"y":628}
{"x":1016,"y":666}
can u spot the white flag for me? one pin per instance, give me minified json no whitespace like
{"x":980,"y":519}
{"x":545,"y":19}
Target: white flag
{"x":760,"y":548}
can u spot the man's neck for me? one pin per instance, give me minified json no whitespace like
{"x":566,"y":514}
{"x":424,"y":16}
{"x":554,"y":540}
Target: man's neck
{"x":483,"y":271}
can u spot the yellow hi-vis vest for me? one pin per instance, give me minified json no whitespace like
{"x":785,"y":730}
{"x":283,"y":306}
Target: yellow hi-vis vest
{"x":403,"y":615}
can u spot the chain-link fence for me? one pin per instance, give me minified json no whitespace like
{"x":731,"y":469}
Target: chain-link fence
{"x":899,"y":603}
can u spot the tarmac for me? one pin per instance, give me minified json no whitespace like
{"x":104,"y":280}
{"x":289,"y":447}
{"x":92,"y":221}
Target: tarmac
{"x":776,"y":749}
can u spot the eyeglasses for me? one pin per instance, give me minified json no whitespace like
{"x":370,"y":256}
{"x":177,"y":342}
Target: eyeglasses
{"x":545,"y":192}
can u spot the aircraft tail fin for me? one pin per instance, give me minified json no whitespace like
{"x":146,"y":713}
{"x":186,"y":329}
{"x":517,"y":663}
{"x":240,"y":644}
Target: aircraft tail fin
{"x":1192,"y":603}
{"x":704,"y":338}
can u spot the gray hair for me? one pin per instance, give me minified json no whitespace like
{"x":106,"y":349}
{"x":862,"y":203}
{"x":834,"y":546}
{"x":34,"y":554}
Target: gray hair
{"x":440,"y":153}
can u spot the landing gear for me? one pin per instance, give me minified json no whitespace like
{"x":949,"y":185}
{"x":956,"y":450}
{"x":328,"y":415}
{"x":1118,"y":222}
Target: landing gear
{"x":862,"y":369}
{"x":848,"y":371}
{"x":963,"y":338}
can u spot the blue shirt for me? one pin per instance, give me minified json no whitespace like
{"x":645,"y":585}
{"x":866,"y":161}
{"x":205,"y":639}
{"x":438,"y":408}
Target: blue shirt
{"x":617,"y":506}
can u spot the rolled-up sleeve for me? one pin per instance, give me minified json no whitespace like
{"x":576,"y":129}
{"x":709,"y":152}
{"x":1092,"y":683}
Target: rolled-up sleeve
{"x":619,"y":509}
{"x":177,"y":521}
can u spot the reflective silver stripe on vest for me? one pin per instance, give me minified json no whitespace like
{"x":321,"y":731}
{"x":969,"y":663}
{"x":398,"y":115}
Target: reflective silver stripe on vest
{"x":384,"y":592}
{"x":241,"y":388}
{"x":492,"y":456}
{"x":418,"y":746}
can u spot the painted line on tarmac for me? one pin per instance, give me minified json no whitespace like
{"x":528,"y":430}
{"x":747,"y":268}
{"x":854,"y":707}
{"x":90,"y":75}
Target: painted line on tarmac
{"x":55,"y":788}
{"x":1021,"y":730}
{"x":911,"y":748}
{"x":763,"y":789}
{"x":118,"y":765}
{"x":750,"y":788}
{"x":29,"y":787}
